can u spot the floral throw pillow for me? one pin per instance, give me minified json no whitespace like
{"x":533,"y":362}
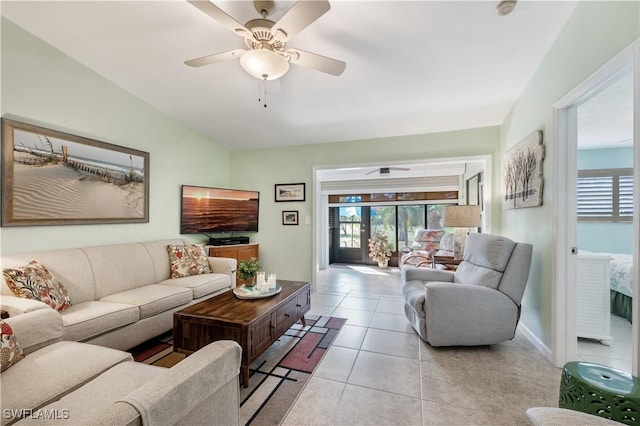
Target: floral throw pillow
{"x":34,"y":281}
{"x":10,"y":350}
{"x":188,"y":260}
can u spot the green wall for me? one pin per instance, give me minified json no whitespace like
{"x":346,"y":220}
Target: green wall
{"x":287,"y":250}
{"x":43,"y":86}
{"x":594,"y":34}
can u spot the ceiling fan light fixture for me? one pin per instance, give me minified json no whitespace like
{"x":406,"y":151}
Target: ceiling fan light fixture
{"x":264,"y":64}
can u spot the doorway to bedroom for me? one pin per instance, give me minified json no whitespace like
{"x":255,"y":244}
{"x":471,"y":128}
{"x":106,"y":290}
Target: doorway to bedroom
{"x":604,"y":268}
{"x":597,"y":228}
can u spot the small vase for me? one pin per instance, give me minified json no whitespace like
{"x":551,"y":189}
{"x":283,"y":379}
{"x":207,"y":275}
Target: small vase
{"x":383,"y":264}
{"x":249,"y":282}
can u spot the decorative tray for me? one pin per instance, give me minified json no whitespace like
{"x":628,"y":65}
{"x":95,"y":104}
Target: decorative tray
{"x":244,"y":292}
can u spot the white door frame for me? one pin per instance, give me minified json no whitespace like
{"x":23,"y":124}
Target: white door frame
{"x":564,"y":339}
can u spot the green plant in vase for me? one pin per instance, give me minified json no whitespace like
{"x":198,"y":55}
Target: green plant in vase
{"x":247,"y":271}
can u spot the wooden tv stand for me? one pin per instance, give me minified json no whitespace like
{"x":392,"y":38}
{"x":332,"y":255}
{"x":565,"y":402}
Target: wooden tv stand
{"x":236,"y":251}
{"x":254,"y":324}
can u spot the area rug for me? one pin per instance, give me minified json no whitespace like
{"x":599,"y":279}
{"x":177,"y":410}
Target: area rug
{"x":276,"y":377}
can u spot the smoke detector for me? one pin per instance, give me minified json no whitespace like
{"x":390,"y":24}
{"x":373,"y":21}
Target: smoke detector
{"x":505,"y":7}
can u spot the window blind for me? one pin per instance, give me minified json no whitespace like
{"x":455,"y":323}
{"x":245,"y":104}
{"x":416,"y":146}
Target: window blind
{"x":605,"y":195}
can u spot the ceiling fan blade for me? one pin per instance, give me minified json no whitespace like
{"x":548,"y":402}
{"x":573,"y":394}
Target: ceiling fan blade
{"x":315,"y":61}
{"x":217,"y":57}
{"x":373,"y":171}
{"x":222,"y":17}
{"x":302,"y":14}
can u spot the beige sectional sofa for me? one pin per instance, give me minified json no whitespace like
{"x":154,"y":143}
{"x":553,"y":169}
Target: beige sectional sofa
{"x":122,"y":294}
{"x":72,"y":383}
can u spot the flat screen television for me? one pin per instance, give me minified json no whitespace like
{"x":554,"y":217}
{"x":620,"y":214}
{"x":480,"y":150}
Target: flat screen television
{"x":212,"y":210}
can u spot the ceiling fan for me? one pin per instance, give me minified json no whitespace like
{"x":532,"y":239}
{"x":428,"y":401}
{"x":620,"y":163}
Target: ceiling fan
{"x":267,"y":57}
{"x":386,"y":171}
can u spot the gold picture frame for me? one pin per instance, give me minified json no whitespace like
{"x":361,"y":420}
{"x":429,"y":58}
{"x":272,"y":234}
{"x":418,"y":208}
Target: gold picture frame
{"x":51,"y":177}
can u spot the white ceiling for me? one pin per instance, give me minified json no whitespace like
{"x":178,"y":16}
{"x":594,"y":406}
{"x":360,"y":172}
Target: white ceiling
{"x":606,"y":119}
{"x":412,"y":66}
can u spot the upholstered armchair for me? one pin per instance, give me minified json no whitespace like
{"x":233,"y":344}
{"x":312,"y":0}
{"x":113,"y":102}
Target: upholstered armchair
{"x":479,"y":303}
{"x":426,"y":243}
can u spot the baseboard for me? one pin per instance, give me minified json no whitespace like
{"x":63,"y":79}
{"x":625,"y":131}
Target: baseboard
{"x":544,"y":350}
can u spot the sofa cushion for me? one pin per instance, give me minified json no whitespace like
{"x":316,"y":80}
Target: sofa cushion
{"x":489,"y":251}
{"x":152,"y":299}
{"x":157,"y":250}
{"x":187,"y":260}
{"x":201,"y":285}
{"x":87,"y":402}
{"x":33,"y":382}
{"x":427,"y":240}
{"x":10,"y":350}
{"x":446,"y":242}
{"x":485,"y":258}
{"x":34,"y":281}
{"x":468,"y":273}
{"x":86,"y":320}
{"x":70,"y":266}
{"x":18,"y":306}
{"x":428,"y":235}
{"x":120,"y":267}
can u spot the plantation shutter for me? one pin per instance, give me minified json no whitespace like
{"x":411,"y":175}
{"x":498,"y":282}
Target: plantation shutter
{"x":605,"y":195}
{"x":595,"y":197}
{"x":625,"y":191}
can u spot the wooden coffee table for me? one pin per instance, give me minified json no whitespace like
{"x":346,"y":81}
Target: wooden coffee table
{"x":255,"y":324}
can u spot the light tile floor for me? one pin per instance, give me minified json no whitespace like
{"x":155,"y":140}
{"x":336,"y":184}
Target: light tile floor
{"x":379,"y":372}
{"x":618,"y":355}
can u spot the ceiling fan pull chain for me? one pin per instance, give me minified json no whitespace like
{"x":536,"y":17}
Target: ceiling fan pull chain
{"x":259,"y":88}
{"x":265,"y":90}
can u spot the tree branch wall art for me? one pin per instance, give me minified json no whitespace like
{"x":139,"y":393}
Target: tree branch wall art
{"x":523,"y":178}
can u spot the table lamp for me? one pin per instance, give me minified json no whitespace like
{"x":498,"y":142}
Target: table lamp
{"x":461,"y":217}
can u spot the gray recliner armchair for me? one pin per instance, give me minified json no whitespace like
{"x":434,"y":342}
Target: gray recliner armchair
{"x":479,"y":303}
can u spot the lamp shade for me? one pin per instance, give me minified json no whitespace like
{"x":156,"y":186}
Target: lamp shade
{"x":462,"y":216}
{"x":264,"y":64}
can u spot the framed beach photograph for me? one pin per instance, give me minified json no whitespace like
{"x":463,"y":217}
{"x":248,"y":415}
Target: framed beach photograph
{"x":55,"y":178}
{"x":290,"y":217}
{"x":289,"y":192}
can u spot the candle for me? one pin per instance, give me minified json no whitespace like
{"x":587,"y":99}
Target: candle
{"x":272,"y":281}
{"x":260,"y":282}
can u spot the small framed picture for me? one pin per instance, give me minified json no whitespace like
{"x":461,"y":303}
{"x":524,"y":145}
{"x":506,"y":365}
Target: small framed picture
{"x":290,"y":217}
{"x":289,"y":192}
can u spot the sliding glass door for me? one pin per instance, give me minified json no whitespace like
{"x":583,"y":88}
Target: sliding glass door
{"x":352,"y":226}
